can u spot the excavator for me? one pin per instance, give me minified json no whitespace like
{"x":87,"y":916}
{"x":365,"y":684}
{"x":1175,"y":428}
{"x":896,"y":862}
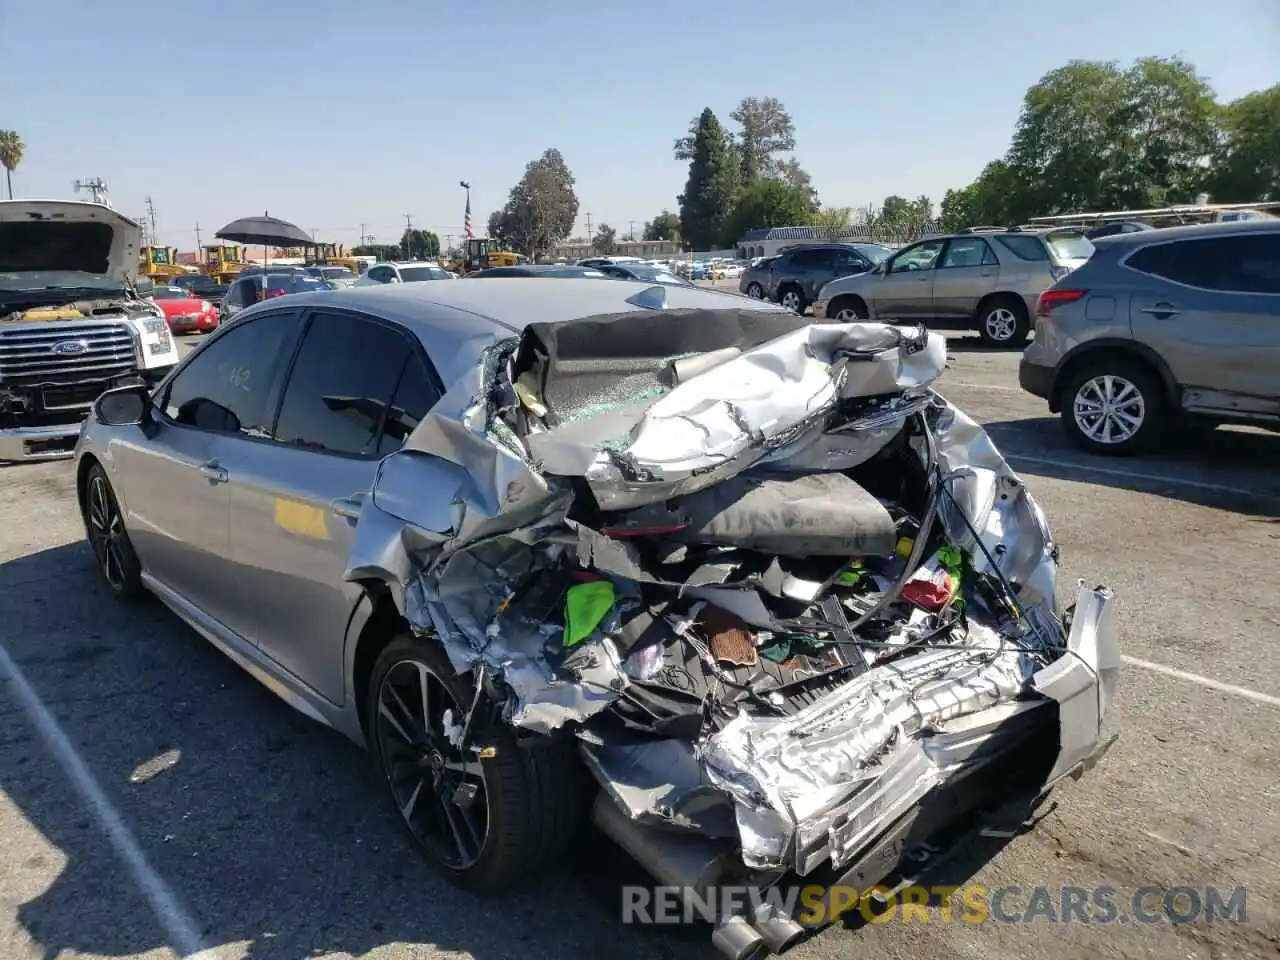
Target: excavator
{"x":479,"y":256}
{"x":223,"y":262}
{"x":161,"y":264}
{"x":335,"y":255}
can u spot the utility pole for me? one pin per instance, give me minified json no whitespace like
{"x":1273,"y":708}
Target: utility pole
{"x":199,"y":245}
{"x":589,"y":234}
{"x":97,"y":187}
{"x":362,"y":234}
{"x":151,"y":215}
{"x":633,"y":230}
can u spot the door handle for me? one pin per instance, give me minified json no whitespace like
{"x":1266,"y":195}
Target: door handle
{"x":212,"y":472}
{"x":348,"y":507}
{"x":1162,"y":310}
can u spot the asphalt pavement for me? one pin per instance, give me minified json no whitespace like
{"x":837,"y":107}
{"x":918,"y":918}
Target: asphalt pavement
{"x":220,"y":811}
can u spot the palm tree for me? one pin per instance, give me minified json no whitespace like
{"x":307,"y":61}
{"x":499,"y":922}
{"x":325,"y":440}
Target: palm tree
{"x":11,"y":148}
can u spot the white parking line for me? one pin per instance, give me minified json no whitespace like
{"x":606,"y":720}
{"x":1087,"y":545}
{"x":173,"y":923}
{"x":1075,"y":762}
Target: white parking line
{"x":1138,"y":475}
{"x":943,"y":384}
{"x":1208,"y":682}
{"x":180,"y":929}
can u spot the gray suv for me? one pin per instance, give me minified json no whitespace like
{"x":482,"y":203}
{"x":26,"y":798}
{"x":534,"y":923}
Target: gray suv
{"x":1177,"y":322}
{"x":987,"y":280}
{"x":794,"y":277}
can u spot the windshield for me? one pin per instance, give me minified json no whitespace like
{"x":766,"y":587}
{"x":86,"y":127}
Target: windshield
{"x":337,"y":273}
{"x":414,"y":274}
{"x":1070,"y":246}
{"x":873,"y":251}
{"x":169,"y":293}
{"x":54,"y":280}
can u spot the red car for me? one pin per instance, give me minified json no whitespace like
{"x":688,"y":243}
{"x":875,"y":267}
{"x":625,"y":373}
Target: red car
{"x":185,"y":313}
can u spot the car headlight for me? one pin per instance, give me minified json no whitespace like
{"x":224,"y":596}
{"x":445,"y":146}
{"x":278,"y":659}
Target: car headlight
{"x":205,"y":306}
{"x":155,"y":326}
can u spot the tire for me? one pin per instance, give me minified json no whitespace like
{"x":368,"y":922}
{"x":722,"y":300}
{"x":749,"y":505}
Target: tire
{"x":1140,"y":396}
{"x":755,"y":291}
{"x":853,"y":308}
{"x":105,"y":530}
{"x":1003,"y":322}
{"x":792,"y":297}
{"x":532,"y":798}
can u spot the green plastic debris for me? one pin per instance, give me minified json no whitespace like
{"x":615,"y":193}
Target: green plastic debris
{"x":950,"y":558}
{"x":781,"y":647}
{"x":852,"y":576}
{"x":585,"y":605}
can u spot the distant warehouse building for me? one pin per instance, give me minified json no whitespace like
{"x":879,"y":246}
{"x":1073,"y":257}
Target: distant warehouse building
{"x":770,"y":241}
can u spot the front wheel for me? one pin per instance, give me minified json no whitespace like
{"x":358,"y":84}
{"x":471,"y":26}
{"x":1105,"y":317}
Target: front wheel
{"x":104,"y":527}
{"x":488,"y":824}
{"x":1112,"y":406}
{"x":847,"y":310}
{"x":755,"y":291}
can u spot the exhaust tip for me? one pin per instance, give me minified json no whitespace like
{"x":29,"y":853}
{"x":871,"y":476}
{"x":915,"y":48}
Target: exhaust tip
{"x":779,"y":932}
{"x":738,"y":940}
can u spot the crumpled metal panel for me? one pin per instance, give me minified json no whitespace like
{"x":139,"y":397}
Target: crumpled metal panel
{"x":467,"y":508}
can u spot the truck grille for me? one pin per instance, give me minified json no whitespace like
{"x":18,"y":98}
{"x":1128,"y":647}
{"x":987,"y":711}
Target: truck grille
{"x":27,"y":355}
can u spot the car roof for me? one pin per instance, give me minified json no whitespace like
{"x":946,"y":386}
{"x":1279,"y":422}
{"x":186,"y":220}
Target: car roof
{"x":1190,"y":231}
{"x":457,"y":319}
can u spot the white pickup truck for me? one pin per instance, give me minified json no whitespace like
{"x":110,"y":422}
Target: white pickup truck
{"x":72,"y":321}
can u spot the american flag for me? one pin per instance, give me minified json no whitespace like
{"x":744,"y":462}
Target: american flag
{"x":466,"y":223}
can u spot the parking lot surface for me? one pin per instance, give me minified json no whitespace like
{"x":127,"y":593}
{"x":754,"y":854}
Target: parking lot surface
{"x":264,"y":836}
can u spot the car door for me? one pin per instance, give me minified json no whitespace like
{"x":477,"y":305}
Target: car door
{"x":813,"y":268}
{"x":178,"y":509}
{"x":1210,"y":306}
{"x":356,"y":387}
{"x":905,"y":290}
{"x":967,"y":271}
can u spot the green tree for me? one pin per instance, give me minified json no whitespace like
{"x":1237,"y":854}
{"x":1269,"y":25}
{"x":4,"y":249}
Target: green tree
{"x":605,"y":242}
{"x":710,"y":192}
{"x":832,"y":223}
{"x":1094,"y":136}
{"x":665,"y":226}
{"x":11,"y":150}
{"x":540,"y":209}
{"x":1248,"y":163}
{"x":765,"y":131}
{"x":380,"y":250}
{"x":419,"y":244}
{"x":766,"y":203}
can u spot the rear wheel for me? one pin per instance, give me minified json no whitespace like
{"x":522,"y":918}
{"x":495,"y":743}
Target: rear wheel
{"x":793,"y":299}
{"x":487,"y":824}
{"x":1112,"y":406}
{"x":1003,"y":322}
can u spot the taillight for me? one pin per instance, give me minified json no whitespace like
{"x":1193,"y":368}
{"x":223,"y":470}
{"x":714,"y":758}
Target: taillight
{"x":273,"y":293}
{"x":1056,"y":298}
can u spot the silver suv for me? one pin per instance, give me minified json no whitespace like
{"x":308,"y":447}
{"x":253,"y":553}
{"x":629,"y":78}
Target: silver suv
{"x":1177,"y":322}
{"x":987,"y":280}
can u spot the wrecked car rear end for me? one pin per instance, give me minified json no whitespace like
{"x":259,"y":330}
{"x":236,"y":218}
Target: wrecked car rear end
{"x":797,"y":612}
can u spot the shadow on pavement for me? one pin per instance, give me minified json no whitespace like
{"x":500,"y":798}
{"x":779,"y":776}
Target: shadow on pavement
{"x":1237,"y":470}
{"x":269,"y":828}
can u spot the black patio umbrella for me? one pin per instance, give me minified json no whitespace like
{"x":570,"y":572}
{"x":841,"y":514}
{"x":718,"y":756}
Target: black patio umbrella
{"x":265,"y":231}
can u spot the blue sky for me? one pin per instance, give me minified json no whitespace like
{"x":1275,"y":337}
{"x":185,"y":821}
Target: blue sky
{"x":335,"y":114}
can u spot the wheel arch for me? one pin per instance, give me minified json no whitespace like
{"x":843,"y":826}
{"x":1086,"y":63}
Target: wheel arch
{"x":376,"y":620}
{"x":856,"y":298}
{"x":86,"y":463}
{"x":990,"y":298}
{"x":1111,"y":346}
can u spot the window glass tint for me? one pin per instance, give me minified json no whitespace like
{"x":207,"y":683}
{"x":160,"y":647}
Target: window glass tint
{"x":1070,"y":246}
{"x":812,"y":258}
{"x":920,"y":257}
{"x":417,"y":274}
{"x":415,"y":395}
{"x":1249,"y":263}
{"x":341,"y":383}
{"x":1024,"y":248}
{"x":968,"y":252}
{"x":225,"y":386}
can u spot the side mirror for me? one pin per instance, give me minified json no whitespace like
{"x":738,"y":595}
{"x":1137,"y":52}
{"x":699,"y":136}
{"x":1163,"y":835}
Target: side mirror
{"x":144,"y":286}
{"x":123,"y":406}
